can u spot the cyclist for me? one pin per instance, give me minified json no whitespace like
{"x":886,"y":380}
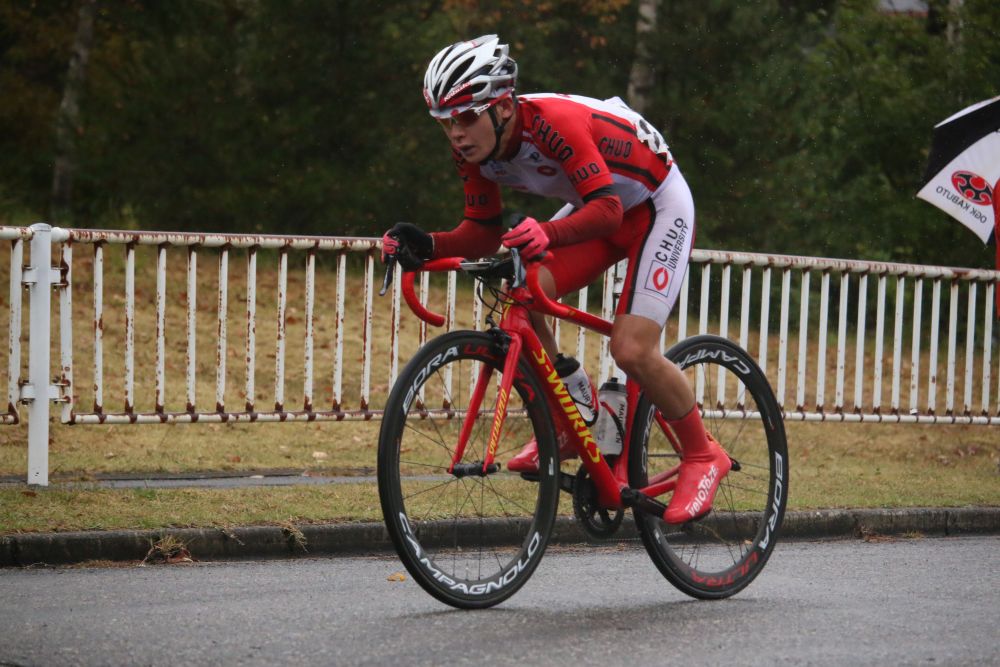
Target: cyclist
{"x":624,"y":198}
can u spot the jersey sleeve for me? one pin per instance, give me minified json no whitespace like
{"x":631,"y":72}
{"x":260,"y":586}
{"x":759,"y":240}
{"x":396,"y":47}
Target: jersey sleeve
{"x":600,"y":216}
{"x":470,"y":240}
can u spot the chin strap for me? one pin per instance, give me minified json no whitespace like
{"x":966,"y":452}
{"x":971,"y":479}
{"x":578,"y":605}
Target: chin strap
{"x":498,"y":129}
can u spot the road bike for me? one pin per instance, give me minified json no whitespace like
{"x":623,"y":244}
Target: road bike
{"x":472,"y":533}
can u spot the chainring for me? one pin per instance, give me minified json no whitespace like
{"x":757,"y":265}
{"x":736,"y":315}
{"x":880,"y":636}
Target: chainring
{"x":598,"y":522}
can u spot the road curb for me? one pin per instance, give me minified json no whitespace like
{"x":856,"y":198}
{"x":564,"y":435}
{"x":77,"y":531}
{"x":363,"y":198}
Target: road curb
{"x":253,"y":542}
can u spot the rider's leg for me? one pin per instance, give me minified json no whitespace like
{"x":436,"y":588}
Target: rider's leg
{"x":657,"y":264}
{"x":539,"y":321}
{"x":635,"y":346}
{"x":527,"y":459}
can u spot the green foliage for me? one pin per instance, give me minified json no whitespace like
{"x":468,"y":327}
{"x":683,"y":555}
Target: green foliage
{"x":814,"y":139}
{"x":888,"y":81}
{"x":731,"y":74}
{"x":35,"y":41}
{"x":802,"y":127}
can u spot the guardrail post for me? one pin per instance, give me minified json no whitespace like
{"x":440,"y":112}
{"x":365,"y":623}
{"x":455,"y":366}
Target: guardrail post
{"x":38,"y":278}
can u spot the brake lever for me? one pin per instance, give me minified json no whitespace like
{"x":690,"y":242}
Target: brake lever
{"x":520,"y":275}
{"x":390,"y":265}
{"x":516,"y":219}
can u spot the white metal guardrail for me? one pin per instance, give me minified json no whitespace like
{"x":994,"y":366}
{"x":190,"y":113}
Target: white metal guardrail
{"x":840,"y":349}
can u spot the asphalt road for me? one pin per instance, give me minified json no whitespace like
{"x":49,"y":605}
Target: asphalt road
{"x":932,"y":601}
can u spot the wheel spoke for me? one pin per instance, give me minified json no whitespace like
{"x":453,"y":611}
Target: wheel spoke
{"x":501,"y":497}
{"x":421,"y":464}
{"x":437,"y":443}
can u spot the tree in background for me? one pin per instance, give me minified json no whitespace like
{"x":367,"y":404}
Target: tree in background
{"x":300,"y":117}
{"x":68,"y":117}
{"x":35,"y":43}
{"x":888,"y":80}
{"x":642,"y":77}
{"x":814,"y":139}
{"x":802,"y":126}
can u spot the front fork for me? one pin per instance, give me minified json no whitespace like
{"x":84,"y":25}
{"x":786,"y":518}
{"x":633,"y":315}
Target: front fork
{"x":500,"y":413}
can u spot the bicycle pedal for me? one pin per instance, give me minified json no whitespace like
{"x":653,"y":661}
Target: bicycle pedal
{"x":474,"y":469}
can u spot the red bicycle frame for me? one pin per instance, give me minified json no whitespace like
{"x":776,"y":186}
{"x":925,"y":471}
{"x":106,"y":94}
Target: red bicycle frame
{"x":610,"y":480}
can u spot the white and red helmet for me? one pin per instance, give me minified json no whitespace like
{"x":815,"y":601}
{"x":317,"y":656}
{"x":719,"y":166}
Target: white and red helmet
{"x":468,"y":74}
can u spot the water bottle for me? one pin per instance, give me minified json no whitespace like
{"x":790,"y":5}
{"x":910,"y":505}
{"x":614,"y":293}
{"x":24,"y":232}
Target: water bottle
{"x":610,"y":427}
{"x":579,"y":387}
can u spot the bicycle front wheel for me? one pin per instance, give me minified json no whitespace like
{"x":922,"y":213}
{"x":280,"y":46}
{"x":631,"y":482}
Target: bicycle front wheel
{"x":719,"y":555}
{"x":471,"y":539}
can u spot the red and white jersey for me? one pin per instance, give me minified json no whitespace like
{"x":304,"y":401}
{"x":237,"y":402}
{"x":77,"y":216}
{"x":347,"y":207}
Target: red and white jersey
{"x":571,"y":146}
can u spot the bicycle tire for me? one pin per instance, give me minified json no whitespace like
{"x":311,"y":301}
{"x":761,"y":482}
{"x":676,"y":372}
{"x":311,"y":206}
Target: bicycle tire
{"x":470,"y":541}
{"x":719,"y":555}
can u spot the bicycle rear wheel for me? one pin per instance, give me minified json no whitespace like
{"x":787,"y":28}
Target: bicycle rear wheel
{"x":719,"y":555}
{"x":469,"y":540}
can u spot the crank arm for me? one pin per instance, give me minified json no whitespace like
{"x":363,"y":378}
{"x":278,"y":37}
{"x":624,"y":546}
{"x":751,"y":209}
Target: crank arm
{"x":642,"y":502}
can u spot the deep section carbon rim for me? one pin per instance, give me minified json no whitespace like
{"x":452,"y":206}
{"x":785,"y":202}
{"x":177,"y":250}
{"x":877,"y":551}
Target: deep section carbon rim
{"x":719,"y":555}
{"x":470,"y":539}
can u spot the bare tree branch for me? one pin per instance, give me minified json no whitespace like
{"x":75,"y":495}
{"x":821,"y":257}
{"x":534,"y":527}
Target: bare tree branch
{"x":642,"y":77}
{"x":68,"y":117}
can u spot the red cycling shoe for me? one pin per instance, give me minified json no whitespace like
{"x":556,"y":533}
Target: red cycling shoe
{"x":527,"y":458}
{"x":697,"y":482}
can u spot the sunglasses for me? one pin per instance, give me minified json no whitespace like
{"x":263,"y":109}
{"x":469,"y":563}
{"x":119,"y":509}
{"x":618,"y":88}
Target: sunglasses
{"x":467,"y":118}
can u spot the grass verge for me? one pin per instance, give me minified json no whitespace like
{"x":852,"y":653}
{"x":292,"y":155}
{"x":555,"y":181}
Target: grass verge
{"x":832,"y":466}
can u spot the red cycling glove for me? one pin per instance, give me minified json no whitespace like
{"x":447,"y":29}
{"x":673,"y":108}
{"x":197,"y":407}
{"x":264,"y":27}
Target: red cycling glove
{"x":390,"y":245}
{"x":528,"y":236}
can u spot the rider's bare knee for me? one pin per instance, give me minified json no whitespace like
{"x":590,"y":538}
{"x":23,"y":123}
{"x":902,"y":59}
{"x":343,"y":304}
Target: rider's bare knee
{"x":629,"y":355}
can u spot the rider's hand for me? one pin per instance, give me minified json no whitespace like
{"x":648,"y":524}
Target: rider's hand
{"x":409,"y":244}
{"x":390,"y":246}
{"x":528,"y":236}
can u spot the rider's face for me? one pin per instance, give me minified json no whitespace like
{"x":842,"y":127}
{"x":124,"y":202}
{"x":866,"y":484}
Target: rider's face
{"x":472,"y":134}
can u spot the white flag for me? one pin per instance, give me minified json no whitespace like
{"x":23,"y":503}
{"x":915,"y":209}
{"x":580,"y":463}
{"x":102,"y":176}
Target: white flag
{"x":966,"y":188}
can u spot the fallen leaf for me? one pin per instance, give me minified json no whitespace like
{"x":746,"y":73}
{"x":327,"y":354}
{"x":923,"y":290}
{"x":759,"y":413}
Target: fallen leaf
{"x":29,"y":494}
{"x":396,"y":576}
{"x":234,"y":459}
{"x":183,"y":556}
